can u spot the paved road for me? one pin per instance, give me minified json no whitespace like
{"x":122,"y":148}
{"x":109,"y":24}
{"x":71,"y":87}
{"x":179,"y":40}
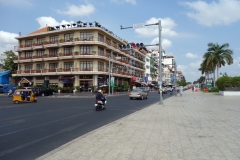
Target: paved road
{"x":30,"y":130}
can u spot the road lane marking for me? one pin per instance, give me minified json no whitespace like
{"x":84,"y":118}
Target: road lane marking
{"x":12,"y":123}
{"x":40,"y":139}
{"x":43,"y":124}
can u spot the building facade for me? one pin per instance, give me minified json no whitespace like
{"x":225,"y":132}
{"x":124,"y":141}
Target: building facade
{"x":78,"y":54}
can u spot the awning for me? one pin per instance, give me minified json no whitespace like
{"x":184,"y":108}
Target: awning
{"x":24,"y":81}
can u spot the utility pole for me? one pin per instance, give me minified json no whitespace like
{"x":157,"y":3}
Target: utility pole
{"x":160,"y":62}
{"x":175,"y":76}
{"x":109,"y":72}
{"x":160,"y":52}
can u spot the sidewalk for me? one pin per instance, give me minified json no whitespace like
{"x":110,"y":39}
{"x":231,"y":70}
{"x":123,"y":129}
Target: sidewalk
{"x":195,"y":126}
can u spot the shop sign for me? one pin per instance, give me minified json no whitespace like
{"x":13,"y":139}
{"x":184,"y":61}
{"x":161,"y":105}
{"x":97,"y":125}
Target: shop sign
{"x":112,"y":82}
{"x":65,"y":81}
{"x":86,"y":77}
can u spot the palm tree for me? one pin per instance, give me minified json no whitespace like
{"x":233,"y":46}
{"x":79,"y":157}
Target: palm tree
{"x":217,"y":56}
{"x":206,"y":68}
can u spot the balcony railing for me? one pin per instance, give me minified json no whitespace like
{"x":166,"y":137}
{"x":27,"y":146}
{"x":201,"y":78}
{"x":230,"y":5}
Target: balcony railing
{"x":59,"y":70}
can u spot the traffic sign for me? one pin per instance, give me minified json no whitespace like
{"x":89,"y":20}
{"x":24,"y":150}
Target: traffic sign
{"x":141,"y":25}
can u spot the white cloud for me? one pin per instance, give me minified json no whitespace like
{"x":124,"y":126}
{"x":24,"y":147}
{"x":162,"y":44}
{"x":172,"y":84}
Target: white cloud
{"x":122,"y":1}
{"x":165,"y":44}
{"x":81,"y":10}
{"x":17,"y":3}
{"x":223,"y":12}
{"x":237,"y":61}
{"x":7,"y":42}
{"x":167,"y":28}
{"x":195,"y":65}
{"x":182,"y":68}
{"x":8,"y":38}
{"x":191,"y":55}
{"x":49,"y":21}
{"x":131,"y":1}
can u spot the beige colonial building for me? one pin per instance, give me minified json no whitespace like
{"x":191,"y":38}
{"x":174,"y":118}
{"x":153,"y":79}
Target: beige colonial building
{"x":77,"y":54}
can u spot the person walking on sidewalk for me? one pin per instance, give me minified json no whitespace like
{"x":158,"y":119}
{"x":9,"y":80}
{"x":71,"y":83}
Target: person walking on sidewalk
{"x":180,"y":90}
{"x":193,"y":88}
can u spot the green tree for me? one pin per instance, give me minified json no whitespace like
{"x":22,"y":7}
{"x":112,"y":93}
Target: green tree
{"x":8,"y":63}
{"x":201,"y":80}
{"x":217,"y":56}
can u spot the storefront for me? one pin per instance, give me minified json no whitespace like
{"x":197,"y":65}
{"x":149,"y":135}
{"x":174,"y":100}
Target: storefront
{"x":86,"y":82}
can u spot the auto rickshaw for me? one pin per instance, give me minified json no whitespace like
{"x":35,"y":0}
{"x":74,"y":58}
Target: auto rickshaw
{"x":23,"y":95}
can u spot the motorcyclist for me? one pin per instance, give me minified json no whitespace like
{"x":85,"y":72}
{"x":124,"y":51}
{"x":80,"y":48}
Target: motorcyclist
{"x":100,"y":97}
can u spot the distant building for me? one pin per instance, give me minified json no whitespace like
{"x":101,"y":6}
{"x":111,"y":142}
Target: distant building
{"x":77,"y":54}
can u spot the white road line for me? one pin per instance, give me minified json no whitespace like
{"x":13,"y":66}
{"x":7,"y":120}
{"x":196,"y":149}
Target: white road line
{"x":43,"y":124}
{"x":40,"y":139}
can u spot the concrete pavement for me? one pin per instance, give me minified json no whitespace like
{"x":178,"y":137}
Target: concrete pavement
{"x":195,"y":126}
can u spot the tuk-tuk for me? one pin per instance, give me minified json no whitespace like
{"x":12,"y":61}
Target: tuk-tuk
{"x":23,"y":95}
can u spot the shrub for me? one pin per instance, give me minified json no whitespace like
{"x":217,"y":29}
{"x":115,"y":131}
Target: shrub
{"x":236,"y":81}
{"x":78,"y":88}
{"x":226,"y":81}
{"x":222,"y":82}
{"x":214,"y":90}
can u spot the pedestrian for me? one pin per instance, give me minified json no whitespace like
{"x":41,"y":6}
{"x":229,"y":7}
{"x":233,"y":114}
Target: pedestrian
{"x":181,"y":90}
{"x":193,"y":88}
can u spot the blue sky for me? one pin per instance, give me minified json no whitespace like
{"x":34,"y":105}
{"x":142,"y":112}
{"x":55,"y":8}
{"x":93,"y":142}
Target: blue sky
{"x":187,"y":26}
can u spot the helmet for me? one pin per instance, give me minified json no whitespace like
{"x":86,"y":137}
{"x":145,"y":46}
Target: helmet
{"x":99,"y":90}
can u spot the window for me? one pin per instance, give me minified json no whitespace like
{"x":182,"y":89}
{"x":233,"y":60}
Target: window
{"x":86,"y":36}
{"x":86,"y":66}
{"x":40,"y":52}
{"x":86,"y":49}
{"x":40,"y":40}
{"x":53,"y":66}
{"x":28,"y":67}
{"x":68,"y":65}
{"x":28,"y":54}
{"x":108,"y":40}
{"x":53,"y":38}
{"x":107,"y":66}
{"x":114,"y":44}
{"x":100,"y":66}
{"x":108,"y":52}
{"x":100,"y":37}
{"x":29,"y":42}
{"x":68,"y":50}
{"x":100,"y":51}
{"x":40,"y":66}
{"x":53,"y":52}
{"x":68,"y":36}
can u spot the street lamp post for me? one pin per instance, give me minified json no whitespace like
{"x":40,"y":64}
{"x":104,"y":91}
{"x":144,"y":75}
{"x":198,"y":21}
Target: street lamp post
{"x":160,"y":61}
{"x":175,"y":75}
{"x":160,"y":53}
{"x":109,"y":72}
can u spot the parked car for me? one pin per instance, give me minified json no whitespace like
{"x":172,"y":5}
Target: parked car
{"x":138,"y":94}
{"x":43,"y":91}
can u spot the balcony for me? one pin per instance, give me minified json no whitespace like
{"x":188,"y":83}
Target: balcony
{"x":65,"y":55}
{"x":37,"y":58}
{"x":49,"y":44}
{"x":37,"y":46}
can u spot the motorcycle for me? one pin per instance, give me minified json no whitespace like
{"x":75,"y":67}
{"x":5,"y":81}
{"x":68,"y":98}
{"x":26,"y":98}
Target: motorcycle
{"x":99,"y":104}
{"x":10,"y":94}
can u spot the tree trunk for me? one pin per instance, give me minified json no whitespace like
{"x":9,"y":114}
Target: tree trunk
{"x":217,"y":72}
{"x":214,"y":76}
